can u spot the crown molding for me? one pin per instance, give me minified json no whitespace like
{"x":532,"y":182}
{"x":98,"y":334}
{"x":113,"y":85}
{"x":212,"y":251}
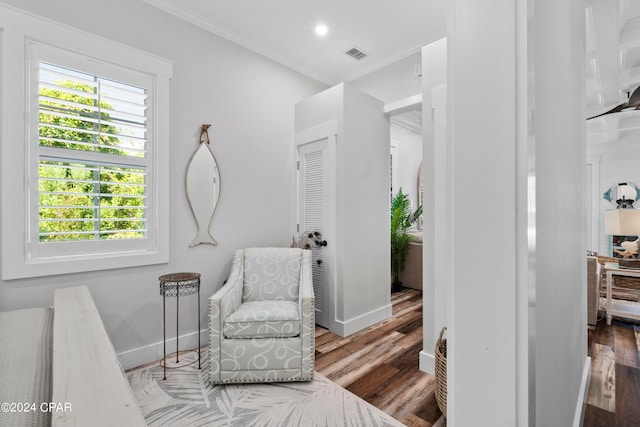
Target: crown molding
{"x":229,"y":35}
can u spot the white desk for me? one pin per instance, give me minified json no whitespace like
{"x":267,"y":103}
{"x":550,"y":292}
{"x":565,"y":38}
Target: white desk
{"x":631,"y":311}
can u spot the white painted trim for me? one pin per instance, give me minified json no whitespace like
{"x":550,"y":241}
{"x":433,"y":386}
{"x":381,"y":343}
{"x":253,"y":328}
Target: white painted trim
{"x":403,"y":105}
{"x":228,"y":34}
{"x":329,"y":131}
{"x":436,"y":260}
{"x":225,"y":33}
{"x":525,"y":271}
{"x":427,"y":362}
{"x":393,"y":151}
{"x":594,"y":161}
{"x":316,"y":133}
{"x":152,"y":352}
{"x":439,"y":96}
{"x":346,"y":328}
{"x":83,"y":42}
{"x":442,"y":174}
{"x":18,"y":261}
{"x":584,"y":391}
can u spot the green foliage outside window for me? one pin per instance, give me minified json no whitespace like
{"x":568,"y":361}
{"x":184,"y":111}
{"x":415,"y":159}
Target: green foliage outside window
{"x":85,"y":200}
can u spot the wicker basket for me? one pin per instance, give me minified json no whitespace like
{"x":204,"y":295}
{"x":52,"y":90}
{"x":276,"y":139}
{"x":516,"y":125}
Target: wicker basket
{"x":441,"y":372}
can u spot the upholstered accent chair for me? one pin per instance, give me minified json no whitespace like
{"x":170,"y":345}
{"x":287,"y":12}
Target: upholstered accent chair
{"x":261,"y":322}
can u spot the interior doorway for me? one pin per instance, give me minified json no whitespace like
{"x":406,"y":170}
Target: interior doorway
{"x":405,"y":161}
{"x":406,"y":153}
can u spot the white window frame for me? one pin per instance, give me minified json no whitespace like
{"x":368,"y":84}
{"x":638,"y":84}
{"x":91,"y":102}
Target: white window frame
{"x":22,"y":48}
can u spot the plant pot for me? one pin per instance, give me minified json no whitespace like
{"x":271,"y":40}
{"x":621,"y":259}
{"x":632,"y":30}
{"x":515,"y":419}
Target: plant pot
{"x":396,"y":287}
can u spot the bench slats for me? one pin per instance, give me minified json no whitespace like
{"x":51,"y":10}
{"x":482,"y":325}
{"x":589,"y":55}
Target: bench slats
{"x":86,"y":371}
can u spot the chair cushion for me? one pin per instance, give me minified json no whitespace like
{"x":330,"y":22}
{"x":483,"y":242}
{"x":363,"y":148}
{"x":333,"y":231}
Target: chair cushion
{"x":263,"y":319}
{"x":271,"y":274}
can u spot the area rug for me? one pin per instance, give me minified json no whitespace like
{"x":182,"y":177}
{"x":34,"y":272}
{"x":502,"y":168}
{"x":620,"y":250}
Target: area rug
{"x":186,"y":398}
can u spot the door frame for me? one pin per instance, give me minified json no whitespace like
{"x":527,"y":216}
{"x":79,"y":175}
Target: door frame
{"x":324,"y":131}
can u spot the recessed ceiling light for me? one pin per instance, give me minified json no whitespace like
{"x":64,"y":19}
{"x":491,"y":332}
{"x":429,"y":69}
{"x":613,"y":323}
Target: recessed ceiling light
{"x":321,"y":30}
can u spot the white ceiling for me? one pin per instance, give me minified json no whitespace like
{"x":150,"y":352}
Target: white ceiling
{"x":283,"y":30}
{"x":613,"y":66}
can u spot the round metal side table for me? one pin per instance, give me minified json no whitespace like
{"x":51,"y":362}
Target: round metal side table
{"x":178,"y":285}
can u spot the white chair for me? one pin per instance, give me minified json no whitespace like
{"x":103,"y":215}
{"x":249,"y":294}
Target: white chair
{"x":261,"y":322}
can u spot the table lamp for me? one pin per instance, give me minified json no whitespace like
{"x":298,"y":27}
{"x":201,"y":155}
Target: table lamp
{"x":624,"y":221}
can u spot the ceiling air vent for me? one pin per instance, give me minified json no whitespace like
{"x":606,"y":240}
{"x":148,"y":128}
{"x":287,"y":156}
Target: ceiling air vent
{"x":356,"y":53}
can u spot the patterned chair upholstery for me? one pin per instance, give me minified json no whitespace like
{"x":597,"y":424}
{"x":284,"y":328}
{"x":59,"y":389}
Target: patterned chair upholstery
{"x":261,"y":322}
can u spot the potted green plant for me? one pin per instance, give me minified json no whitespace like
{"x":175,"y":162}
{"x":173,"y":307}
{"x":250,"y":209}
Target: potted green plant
{"x":401,"y":220}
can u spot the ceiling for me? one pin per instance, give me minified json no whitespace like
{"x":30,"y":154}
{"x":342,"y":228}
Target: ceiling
{"x":283,"y":30}
{"x":613,"y":66}
{"x":410,"y":120}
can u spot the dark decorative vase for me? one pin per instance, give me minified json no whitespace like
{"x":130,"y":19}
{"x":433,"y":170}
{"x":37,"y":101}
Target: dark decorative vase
{"x":396,"y":287}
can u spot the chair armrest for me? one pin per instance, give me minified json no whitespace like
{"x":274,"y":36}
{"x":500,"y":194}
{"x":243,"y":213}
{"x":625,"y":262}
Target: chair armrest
{"x":306,"y":298}
{"x":307,"y":315}
{"x":229,"y":296}
{"x":221,"y":304}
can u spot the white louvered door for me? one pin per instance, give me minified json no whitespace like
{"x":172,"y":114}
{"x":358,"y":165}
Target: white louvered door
{"x":312,"y":199}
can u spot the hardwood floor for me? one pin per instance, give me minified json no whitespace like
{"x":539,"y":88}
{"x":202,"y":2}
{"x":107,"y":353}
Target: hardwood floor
{"x":614,"y":390}
{"x":381,"y":363}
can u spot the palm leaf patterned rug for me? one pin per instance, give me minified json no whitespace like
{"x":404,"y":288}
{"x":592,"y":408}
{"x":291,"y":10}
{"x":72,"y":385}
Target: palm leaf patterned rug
{"x":186,"y":398}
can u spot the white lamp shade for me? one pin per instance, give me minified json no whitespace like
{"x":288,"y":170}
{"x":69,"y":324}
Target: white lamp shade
{"x":622,"y":222}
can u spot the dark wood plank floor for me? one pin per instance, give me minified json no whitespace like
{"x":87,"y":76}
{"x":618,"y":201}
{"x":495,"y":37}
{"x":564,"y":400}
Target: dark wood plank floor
{"x":381,"y":363}
{"x":614,"y":390}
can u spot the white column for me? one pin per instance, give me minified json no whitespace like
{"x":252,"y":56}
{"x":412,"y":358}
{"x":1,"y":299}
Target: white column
{"x":517,"y":319}
{"x":561,"y":363}
{"x":436,"y":230}
{"x":482,"y":100}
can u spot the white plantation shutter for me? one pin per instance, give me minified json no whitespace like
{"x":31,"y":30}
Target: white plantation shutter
{"x":107,"y":113}
{"x":312,"y":206}
{"x":92,"y":162}
{"x":99,"y":216}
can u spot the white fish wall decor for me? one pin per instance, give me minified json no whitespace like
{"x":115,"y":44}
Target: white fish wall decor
{"x":203,"y":188}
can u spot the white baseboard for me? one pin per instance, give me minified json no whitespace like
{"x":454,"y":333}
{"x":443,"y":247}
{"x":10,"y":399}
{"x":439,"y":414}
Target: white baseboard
{"x":427,"y":363}
{"x":584,"y":391}
{"x":153,"y":352}
{"x":346,"y":328}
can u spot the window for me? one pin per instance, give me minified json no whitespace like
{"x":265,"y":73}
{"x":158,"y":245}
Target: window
{"x":90,"y":194}
{"x":92,"y":160}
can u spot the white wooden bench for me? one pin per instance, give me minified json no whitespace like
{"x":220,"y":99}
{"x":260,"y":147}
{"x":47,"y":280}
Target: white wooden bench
{"x":87,"y":376}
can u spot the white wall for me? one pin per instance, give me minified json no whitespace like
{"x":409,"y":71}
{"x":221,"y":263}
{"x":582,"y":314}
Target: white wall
{"x":481,"y":324}
{"x":363,"y":211}
{"x":409,"y":158}
{"x":249,"y":100}
{"x":394,"y":82}
{"x":560,"y":288}
{"x":361,"y":247}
